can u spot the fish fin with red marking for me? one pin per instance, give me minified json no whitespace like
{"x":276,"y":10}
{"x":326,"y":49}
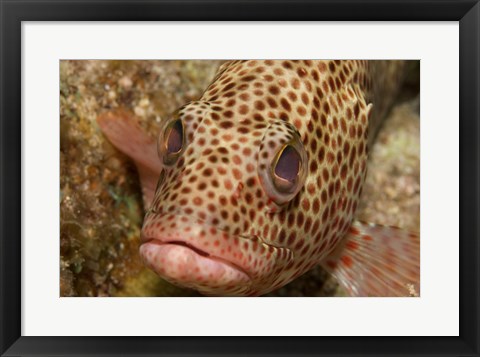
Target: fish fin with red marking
{"x":375,"y":260}
{"x":123,"y":131}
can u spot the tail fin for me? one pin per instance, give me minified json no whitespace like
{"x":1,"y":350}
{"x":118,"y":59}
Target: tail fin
{"x":123,"y":131}
{"x":376,"y":260}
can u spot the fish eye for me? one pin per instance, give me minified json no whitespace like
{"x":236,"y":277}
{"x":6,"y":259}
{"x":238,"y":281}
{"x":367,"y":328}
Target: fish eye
{"x":282,"y":163}
{"x":172,"y":141}
{"x":286,"y":168}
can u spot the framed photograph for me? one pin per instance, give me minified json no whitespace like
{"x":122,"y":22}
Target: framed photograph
{"x":239,"y":178}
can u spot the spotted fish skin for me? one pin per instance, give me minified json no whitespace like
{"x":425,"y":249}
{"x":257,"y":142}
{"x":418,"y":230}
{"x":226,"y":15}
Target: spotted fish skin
{"x":217,"y":222}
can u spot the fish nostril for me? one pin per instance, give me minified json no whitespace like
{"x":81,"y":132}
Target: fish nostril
{"x":238,"y":191}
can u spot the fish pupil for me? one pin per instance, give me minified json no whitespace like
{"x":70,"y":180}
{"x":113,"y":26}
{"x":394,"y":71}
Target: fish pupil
{"x":288,"y":164}
{"x":175,"y":138}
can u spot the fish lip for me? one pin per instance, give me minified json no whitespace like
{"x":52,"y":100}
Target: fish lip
{"x":199,"y":252}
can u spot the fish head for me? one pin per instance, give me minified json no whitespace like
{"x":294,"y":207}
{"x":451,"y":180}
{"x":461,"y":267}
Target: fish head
{"x":254,"y":184}
{"x":217,"y":180}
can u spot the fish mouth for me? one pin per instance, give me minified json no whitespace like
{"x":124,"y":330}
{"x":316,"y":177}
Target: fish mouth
{"x":189,"y":252}
{"x":197,"y":251}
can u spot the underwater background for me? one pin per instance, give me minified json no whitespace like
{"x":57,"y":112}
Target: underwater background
{"x":100,"y":198}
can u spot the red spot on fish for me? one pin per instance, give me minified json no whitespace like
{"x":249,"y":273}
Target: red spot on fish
{"x":331,"y":265}
{"x":347,"y":261}
{"x":352,"y":245}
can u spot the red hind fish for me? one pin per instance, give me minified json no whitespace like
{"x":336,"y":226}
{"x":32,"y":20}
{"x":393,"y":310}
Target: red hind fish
{"x":259,"y":180}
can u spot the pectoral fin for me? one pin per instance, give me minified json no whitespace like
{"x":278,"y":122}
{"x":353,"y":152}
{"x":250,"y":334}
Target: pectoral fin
{"x":124,"y":132}
{"x":376,"y":260}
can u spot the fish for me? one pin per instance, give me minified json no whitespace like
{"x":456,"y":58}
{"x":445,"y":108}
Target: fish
{"x":259,"y":180}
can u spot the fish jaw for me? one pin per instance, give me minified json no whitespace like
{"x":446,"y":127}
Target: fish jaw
{"x":189,"y":252}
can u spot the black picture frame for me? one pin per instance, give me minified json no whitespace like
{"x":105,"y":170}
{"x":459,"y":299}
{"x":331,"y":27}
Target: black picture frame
{"x":13,"y":12}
